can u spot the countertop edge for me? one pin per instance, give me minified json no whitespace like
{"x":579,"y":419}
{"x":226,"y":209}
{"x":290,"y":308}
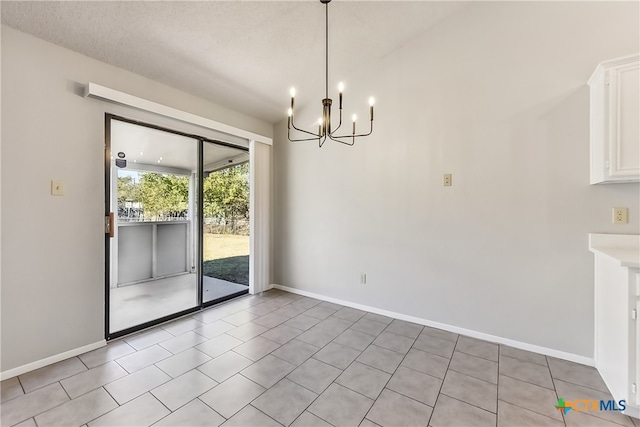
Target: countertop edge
{"x":623,"y":249}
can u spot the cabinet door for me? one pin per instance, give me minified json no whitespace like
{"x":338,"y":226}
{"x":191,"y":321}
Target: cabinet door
{"x":624,"y":113}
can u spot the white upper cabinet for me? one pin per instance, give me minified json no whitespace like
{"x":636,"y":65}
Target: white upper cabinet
{"x":615,"y":121}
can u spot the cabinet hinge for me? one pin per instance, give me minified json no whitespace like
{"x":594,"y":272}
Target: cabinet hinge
{"x":634,"y":314}
{"x":633,"y":388}
{"x":606,"y":164}
{"x":107,"y":225}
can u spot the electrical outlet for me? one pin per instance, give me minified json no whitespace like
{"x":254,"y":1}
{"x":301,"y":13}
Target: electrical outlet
{"x":57,"y":189}
{"x":363,"y":279}
{"x":446,"y":180}
{"x":620,"y":215}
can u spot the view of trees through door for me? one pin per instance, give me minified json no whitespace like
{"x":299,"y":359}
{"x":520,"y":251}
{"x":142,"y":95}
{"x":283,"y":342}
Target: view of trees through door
{"x":153,"y":196}
{"x":226,"y":224}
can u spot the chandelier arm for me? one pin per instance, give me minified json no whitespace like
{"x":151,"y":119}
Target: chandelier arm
{"x":307,"y":132}
{"x":339,"y":124}
{"x":334,"y":137}
{"x":322,"y":141}
{"x":301,"y":139}
{"x":302,"y":130}
{"x":350,"y":136}
{"x":353,"y":141}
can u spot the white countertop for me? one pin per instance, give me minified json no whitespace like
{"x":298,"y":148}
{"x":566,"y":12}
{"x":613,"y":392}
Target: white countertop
{"x":623,"y":249}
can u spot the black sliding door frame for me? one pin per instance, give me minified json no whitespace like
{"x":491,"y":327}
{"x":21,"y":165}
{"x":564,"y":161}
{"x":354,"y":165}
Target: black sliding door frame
{"x":200,"y":304}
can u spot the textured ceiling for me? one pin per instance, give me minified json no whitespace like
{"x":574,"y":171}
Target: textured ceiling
{"x":240,"y":54}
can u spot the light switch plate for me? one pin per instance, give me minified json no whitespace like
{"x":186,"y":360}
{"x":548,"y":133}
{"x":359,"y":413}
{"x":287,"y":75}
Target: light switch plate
{"x":57,"y":189}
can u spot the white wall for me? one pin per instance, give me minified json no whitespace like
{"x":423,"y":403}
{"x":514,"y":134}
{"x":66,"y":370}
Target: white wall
{"x":497,"y":96}
{"x":53,"y":247}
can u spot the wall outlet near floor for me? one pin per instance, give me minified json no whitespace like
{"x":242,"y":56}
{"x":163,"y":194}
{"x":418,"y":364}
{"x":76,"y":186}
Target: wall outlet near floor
{"x":363,"y":279}
{"x":446,"y":180}
{"x":620,"y":215}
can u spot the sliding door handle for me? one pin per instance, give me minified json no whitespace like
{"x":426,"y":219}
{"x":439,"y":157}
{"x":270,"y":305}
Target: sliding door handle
{"x":109,"y":225}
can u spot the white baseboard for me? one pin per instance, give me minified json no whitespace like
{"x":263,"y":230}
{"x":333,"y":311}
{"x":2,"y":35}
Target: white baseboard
{"x":455,"y":329}
{"x":49,"y":360}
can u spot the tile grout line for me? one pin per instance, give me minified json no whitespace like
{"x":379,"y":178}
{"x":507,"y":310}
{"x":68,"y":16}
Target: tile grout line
{"x":528,"y":382}
{"x":85,"y":365}
{"x":468,"y":403}
{"x":21,"y":386}
{"x":65,"y":390}
{"x":445,"y":377}
{"x":394,"y":372}
{"x":479,"y":379}
{"x":111,"y":396}
{"x":57,"y":406}
{"x":108,"y":412}
{"x":481,"y":357}
{"x":162,"y":403}
{"x":469,"y":375}
{"x":207,"y":405}
{"x":258,"y":409}
{"x":578,"y":385}
{"x":555,"y":391}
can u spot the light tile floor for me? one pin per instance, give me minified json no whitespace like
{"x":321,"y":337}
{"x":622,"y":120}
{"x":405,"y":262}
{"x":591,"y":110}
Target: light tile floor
{"x":281,"y":359}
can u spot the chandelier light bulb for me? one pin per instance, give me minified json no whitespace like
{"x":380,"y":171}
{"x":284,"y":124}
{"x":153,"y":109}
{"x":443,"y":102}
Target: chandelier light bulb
{"x":290,"y":112}
{"x":292,"y":91}
{"x":320,"y":121}
{"x":371,"y":101}
{"x":354,"y":117}
{"x":340,"y":87}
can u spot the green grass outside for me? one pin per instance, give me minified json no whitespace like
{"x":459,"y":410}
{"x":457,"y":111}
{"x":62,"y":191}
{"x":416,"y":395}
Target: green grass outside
{"x":226,"y":257}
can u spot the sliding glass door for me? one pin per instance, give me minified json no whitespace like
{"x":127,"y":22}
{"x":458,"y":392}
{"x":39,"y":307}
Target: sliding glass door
{"x":225,"y":238}
{"x":179,"y":220}
{"x":153,"y":256}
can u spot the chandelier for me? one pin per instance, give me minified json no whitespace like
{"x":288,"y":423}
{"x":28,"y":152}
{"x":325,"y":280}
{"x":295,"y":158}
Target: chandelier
{"x":324,"y":123}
